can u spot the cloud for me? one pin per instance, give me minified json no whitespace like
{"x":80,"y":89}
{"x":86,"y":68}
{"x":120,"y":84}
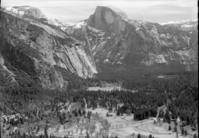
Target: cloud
{"x":72,"y":11}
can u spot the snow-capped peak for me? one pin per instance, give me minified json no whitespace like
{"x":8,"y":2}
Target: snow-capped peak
{"x":56,"y":22}
{"x":116,"y":11}
{"x":113,"y":8}
{"x":14,"y":10}
{"x":25,"y":10}
{"x":179,"y":22}
{"x":80,"y":24}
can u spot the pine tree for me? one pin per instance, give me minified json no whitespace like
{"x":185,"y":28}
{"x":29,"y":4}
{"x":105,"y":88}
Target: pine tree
{"x":175,"y":129}
{"x":150,"y":136}
{"x":24,"y":135}
{"x":0,"y":129}
{"x":107,"y":114}
{"x":169,"y":128}
{"x":195,"y":136}
{"x":139,"y":136}
{"x":182,"y":132}
{"x":87,"y":135}
{"x":46,"y":131}
{"x":185,"y":132}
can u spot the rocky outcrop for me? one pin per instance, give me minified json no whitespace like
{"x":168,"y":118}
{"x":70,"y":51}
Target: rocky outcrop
{"x":37,"y":48}
{"x":48,"y":51}
{"x":6,"y":74}
{"x":104,"y":17}
{"x":115,"y":39}
{"x":26,"y":11}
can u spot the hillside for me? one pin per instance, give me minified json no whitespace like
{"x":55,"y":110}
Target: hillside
{"x":116,"y":40}
{"x":35,"y":48}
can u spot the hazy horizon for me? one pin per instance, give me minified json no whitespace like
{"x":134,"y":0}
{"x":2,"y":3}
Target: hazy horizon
{"x":71,"y":12}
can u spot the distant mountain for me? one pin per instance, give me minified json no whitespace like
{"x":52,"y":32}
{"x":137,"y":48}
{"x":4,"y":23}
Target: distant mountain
{"x":55,"y":22}
{"x":25,"y":11}
{"x":116,"y":40}
{"x":53,"y":53}
{"x":179,"y":22}
{"x":36,"y":48}
{"x":32,"y":12}
{"x":185,"y":24}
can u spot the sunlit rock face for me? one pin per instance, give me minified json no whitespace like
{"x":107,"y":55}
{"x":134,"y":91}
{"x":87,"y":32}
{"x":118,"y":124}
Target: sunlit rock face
{"x":38,"y":49}
{"x":39,"y":46}
{"x":6,"y":74}
{"x":26,"y":11}
{"x":114,"y":39}
{"x":105,"y":16}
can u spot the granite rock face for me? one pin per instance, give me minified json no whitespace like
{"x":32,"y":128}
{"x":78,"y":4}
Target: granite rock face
{"x":26,"y":11}
{"x":115,"y":39}
{"x":38,"y":49}
{"x":44,"y":48}
{"x":106,"y":16}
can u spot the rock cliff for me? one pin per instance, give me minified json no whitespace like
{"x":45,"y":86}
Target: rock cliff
{"x":38,"y":49}
{"x":26,"y":11}
{"x":116,"y":40}
{"x":50,"y":52}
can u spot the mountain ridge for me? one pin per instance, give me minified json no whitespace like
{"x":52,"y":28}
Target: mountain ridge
{"x":43,"y":47}
{"x":156,"y":34}
{"x":107,"y":37}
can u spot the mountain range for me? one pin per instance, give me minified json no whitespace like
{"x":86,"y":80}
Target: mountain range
{"x":49,"y":52}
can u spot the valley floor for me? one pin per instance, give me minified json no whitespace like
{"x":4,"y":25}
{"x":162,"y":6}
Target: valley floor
{"x":120,"y":126}
{"x":123,"y":126}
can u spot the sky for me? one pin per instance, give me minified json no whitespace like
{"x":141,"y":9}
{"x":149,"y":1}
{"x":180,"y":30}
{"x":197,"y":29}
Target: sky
{"x":73,"y":11}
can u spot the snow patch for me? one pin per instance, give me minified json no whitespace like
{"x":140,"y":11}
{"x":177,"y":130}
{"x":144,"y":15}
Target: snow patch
{"x":14,"y":10}
{"x":79,"y":24}
{"x":106,"y":61}
{"x":55,"y":22}
{"x":9,"y":8}
{"x":187,"y":26}
{"x":94,"y":29}
{"x":119,"y":62}
{"x":121,"y":58}
{"x":93,"y":47}
{"x":179,"y":22}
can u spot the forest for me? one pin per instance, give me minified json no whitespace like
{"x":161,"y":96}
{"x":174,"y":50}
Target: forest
{"x":178,"y":87}
{"x":182,"y":91}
